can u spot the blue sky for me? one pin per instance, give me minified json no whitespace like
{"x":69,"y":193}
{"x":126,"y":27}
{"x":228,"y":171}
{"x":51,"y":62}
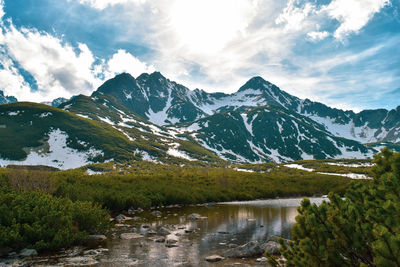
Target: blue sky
{"x":344,"y":53}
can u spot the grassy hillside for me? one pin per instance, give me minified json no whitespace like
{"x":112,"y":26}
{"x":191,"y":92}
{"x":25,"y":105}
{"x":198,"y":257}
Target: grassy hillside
{"x":27,"y":125}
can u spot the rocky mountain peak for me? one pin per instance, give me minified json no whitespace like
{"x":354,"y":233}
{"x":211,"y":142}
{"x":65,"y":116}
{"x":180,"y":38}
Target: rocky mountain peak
{"x":6,"y":99}
{"x":121,"y":82}
{"x":256,"y":83}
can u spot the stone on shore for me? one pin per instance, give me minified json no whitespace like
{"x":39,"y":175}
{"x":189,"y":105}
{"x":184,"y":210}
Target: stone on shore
{"x":128,"y":236}
{"x":28,"y":252}
{"x":248,"y":250}
{"x":214,"y":258}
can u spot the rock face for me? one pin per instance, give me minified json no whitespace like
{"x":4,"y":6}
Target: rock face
{"x":28,"y":252}
{"x":214,"y":258}
{"x":249,"y":250}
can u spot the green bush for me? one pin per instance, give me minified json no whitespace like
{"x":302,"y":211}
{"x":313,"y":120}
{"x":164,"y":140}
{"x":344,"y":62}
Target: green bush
{"x":166,"y":185}
{"x":362,"y":229}
{"x":38,"y":220}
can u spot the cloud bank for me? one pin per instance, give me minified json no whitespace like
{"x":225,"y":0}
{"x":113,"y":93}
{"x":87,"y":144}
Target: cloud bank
{"x":303,"y":46}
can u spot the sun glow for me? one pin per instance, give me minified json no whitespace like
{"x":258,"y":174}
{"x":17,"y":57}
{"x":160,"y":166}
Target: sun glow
{"x":207,"y":26}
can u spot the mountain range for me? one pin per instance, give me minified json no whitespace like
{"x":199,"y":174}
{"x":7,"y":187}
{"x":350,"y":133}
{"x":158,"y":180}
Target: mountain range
{"x":153,"y":118}
{"x":6,"y":99}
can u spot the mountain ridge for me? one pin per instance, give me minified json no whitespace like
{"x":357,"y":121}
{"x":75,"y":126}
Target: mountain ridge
{"x":257,"y":123}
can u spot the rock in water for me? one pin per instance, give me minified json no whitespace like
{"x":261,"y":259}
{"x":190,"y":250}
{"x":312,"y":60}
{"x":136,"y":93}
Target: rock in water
{"x":28,"y":252}
{"x":262,"y":259}
{"x":214,"y":258}
{"x":127,"y":236}
{"x":156,"y":213}
{"x":248,"y":250}
{"x":163,"y":231}
{"x":96,"y":238}
{"x":171,"y":241}
{"x":194,"y":217}
{"x":121,"y":218}
{"x":158,"y":239}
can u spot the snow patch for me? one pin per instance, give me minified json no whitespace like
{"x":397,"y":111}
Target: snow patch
{"x":46,"y":114}
{"x":106,"y":120}
{"x":249,"y":125}
{"x":92,"y":172}
{"x":59,"y":155}
{"x":83,"y":116}
{"x":13,"y":113}
{"x":299,"y":167}
{"x":349,"y":175}
{"x":173,"y":151}
{"x":358,"y":165}
{"x":243,"y":170}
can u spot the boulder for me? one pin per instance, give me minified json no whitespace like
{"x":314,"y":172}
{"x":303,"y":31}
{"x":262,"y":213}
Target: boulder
{"x":158,"y":239}
{"x":128,"y":236}
{"x":98,"y":238}
{"x":28,"y":252}
{"x":156,"y":213}
{"x":262,"y":259}
{"x":151,"y":232}
{"x":271,"y":247}
{"x":163,"y":231}
{"x":194,"y":216}
{"x":171,"y":241}
{"x":122,"y":218}
{"x":248,"y":250}
{"x":214,"y":258}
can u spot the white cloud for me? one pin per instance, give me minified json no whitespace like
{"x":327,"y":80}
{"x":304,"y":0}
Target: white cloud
{"x":317,"y":36}
{"x":294,"y":17}
{"x":102,"y":4}
{"x":2,"y":9}
{"x":353,"y":15}
{"x":12,"y":83}
{"x":214,"y":45}
{"x":123,"y":61}
{"x":59,"y":69}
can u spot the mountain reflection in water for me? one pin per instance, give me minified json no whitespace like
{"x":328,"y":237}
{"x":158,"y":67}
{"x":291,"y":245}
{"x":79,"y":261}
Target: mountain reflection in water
{"x":226,"y":223}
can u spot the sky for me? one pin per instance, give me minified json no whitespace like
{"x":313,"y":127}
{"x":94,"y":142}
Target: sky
{"x":343,"y":53}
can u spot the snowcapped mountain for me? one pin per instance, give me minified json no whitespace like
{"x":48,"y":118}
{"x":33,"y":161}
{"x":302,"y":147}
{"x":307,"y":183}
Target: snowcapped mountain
{"x":270,"y":133}
{"x":56,"y":102}
{"x":258,"y":123}
{"x":37,"y":134}
{"x":367,"y":126}
{"x":153,"y":97}
{"x":6,"y":99}
{"x":164,"y":102}
{"x":153,"y":118}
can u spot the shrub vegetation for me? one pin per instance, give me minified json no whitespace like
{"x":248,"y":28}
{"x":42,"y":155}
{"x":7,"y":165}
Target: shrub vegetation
{"x":362,"y":229}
